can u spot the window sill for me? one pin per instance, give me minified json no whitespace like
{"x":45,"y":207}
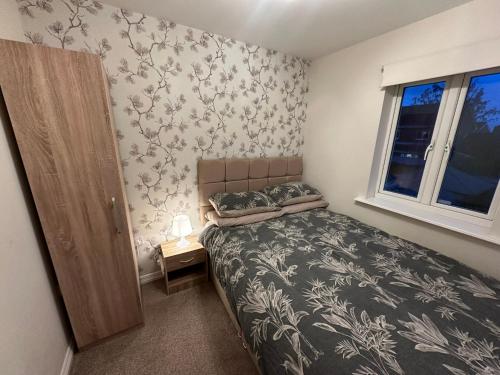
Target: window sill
{"x":430,"y":216}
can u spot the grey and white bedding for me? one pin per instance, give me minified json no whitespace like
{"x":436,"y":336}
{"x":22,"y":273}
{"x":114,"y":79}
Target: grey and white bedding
{"x":321,"y":293}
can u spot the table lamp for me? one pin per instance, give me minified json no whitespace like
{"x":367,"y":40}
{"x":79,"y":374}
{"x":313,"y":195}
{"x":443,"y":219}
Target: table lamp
{"x":181,"y":227}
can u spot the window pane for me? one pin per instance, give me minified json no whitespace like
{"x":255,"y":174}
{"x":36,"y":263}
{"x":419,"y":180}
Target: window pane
{"x":416,"y":120}
{"x":473,"y":169}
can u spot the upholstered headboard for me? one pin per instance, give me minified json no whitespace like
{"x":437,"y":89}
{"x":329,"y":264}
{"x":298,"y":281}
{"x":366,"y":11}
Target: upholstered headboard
{"x":233,"y":175}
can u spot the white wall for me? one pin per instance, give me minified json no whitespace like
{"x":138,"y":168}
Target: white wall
{"x":32,"y":338}
{"x":344,"y":112}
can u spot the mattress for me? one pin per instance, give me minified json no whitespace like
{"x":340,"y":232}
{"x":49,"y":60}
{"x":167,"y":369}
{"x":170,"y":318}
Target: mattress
{"x":317,"y":292}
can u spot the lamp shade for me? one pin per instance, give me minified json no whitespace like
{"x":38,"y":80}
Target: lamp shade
{"x":181,"y":226}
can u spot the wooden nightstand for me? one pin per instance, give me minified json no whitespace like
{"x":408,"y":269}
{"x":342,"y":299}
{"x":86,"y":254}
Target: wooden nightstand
{"x":183,"y":267}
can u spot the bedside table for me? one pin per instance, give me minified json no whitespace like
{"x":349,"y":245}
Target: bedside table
{"x":183,"y":267}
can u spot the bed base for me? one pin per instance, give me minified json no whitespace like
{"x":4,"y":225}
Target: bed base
{"x":225,"y":302}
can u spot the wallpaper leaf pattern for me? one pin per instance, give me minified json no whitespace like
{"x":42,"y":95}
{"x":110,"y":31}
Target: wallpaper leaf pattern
{"x":179,"y":94}
{"x":308,"y":307}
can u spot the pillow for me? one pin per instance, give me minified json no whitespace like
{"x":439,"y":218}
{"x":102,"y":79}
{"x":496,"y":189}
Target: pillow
{"x":213,"y":217}
{"x":244,"y":203}
{"x":292,"y":193}
{"x":294,"y":208}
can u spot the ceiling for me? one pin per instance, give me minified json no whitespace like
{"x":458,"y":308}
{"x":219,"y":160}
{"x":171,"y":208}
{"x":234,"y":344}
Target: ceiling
{"x":306,"y":28}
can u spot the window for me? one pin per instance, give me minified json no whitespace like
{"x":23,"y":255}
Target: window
{"x":472,"y":168}
{"x":418,"y":110}
{"x":442,"y":149}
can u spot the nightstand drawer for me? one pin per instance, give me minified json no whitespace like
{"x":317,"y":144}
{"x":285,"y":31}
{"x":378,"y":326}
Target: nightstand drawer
{"x":185,"y":260}
{"x":183,"y":266}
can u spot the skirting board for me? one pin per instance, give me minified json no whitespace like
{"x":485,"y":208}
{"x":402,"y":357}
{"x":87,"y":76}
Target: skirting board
{"x":149,"y":277}
{"x":68,"y":359}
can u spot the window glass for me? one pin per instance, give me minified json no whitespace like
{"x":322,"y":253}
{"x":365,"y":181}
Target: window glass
{"x":413,"y":134}
{"x":473,"y":168}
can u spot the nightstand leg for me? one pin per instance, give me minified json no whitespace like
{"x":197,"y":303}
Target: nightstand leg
{"x":166,"y":279}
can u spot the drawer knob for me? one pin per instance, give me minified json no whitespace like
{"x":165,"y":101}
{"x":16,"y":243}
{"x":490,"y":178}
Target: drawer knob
{"x":187,"y":260}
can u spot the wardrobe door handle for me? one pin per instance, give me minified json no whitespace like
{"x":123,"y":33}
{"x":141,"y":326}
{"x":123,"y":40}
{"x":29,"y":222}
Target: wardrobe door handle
{"x":116,"y":216}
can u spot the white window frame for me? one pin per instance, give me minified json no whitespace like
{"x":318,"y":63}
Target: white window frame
{"x":448,"y":146}
{"x":392,"y":132}
{"x":425,"y":206}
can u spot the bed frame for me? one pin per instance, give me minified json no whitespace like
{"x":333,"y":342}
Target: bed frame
{"x":234,"y":175}
{"x":225,"y":302}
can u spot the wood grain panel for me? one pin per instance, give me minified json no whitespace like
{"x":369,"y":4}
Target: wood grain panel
{"x":184,"y":260}
{"x":59,"y":109}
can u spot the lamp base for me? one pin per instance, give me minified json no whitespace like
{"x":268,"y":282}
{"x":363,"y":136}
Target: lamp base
{"x":182,"y":242}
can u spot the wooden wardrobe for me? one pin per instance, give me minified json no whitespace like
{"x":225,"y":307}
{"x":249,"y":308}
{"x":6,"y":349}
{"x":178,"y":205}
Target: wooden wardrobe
{"x":59,"y":108}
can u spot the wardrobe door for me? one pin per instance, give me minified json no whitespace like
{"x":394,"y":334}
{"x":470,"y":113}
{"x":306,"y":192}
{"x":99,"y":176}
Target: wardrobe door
{"x":59,"y":109}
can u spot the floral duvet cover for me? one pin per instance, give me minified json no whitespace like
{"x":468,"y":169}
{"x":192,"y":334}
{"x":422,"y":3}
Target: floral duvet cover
{"x":321,"y":293}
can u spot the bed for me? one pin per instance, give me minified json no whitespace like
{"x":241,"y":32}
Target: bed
{"x":317,"y":292}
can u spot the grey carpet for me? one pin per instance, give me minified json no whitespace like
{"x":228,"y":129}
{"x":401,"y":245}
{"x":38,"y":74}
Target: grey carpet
{"x":186,"y":333}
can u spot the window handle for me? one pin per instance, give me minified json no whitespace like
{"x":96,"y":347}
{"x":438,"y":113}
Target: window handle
{"x":428,"y":149}
{"x":447,"y":147}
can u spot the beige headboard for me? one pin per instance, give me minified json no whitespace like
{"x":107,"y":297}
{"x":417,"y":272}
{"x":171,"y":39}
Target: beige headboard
{"x":233,"y":175}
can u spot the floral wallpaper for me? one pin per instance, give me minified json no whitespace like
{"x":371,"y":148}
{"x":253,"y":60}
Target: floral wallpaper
{"x":179,"y":94}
